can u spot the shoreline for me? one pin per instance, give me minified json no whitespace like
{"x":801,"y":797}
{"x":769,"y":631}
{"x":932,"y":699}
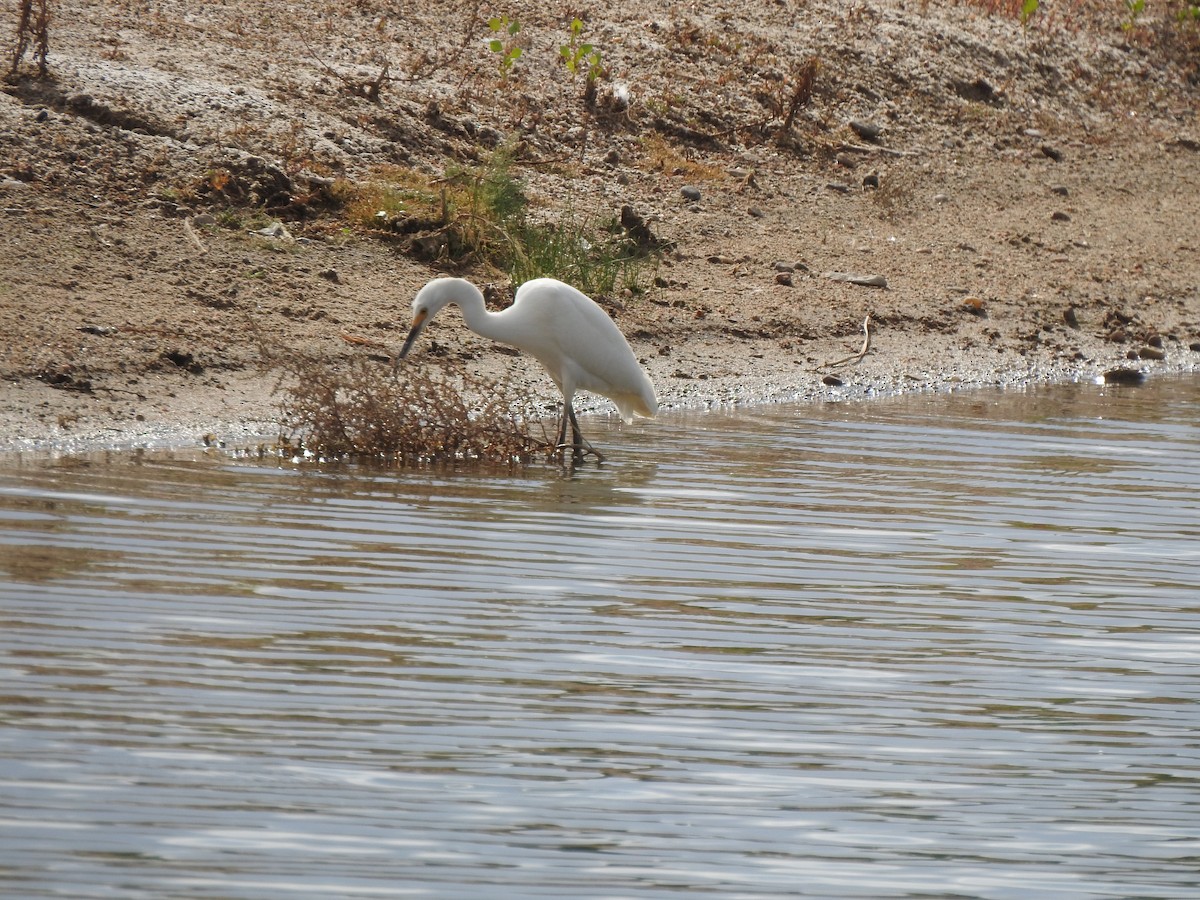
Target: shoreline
{"x":171,"y":204}
{"x":254,"y":426}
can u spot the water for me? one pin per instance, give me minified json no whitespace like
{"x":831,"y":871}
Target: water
{"x":930,"y":647}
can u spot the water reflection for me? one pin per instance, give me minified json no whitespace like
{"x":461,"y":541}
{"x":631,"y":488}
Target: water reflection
{"x":929,"y":647}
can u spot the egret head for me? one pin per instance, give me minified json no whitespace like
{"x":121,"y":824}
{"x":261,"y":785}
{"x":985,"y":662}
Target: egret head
{"x":427,"y":304}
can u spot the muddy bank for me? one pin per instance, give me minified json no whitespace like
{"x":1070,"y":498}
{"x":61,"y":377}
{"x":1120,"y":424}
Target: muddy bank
{"x":1028,"y":199}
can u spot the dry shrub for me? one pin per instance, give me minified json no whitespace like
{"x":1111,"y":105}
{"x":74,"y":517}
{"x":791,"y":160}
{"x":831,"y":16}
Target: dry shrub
{"x":33,"y":27}
{"x":895,"y":200}
{"x":404,"y":415}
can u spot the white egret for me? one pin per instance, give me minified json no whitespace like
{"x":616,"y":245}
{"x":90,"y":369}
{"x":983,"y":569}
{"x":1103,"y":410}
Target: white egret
{"x":563,"y":329}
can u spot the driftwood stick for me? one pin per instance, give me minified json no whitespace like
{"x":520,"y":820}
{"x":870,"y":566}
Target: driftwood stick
{"x":866,"y":347}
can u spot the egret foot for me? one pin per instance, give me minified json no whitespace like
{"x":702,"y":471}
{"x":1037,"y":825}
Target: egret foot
{"x":580,"y":446}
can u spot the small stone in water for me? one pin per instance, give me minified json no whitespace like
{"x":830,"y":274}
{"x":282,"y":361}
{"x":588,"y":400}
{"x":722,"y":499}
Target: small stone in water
{"x":1122,"y":375}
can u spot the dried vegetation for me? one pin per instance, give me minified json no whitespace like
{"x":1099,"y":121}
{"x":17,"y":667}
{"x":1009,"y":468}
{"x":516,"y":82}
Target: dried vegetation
{"x":404,"y":415}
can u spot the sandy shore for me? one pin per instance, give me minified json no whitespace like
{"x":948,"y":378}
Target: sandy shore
{"x":1030,"y":202}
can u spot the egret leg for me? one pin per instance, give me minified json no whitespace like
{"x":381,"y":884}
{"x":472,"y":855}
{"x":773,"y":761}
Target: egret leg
{"x":579,"y":445}
{"x":561,"y":443}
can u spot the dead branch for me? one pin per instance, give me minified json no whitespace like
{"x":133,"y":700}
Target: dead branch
{"x":866,"y":347}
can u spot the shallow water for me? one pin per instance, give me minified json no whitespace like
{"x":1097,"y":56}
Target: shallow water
{"x":926,"y":647}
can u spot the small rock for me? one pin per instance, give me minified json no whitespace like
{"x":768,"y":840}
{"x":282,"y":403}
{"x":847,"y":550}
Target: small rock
{"x":975,"y":306}
{"x":1194,"y":346}
{"x":863,"y":280}
{"x":1155,"y":340}
{"x":1060,"y":189}
{"x":612,"y":157}
{"x":871,"y":181}
{"x":690,"y":192}
{"x":784,"y":267}
{"x":1059,"y":216}
{"x":274,"y":230}
{"x":846,"y":160}
{"x":1152,"y":353}
{"x":755,"y":212}
{"x":941,"y":198}
{"x":832,"y":381}
{"x":868,"y":131}
{"x":42,"y":115}
{"x":1070,"y":317}
{"x":330,"y":275}
{"x":784,"y":278}
{"x":1033,"y":133}
{"x":1052,"y":152}
{"x":840,"y":187}
{"x":1122,"y":375}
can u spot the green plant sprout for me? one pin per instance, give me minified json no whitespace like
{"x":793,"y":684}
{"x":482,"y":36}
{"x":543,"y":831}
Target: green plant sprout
{"x":1028,"y":9}
{"x":504,"y":45}
{"x":1134,"y":8}
{"x":576,"y":53}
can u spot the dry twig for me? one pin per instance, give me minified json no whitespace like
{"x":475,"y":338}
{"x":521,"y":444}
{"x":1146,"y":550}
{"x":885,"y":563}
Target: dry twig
{"x":866,"y":347}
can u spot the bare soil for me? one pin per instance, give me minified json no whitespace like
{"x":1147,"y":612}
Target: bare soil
{"x":1035,"y":216}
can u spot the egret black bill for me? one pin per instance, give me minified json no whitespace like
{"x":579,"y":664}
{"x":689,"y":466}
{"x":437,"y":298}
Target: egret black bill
{"x":418,"y":324}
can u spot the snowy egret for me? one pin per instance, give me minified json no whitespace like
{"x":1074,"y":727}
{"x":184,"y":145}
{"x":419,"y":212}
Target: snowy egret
{"x":563,"y":329}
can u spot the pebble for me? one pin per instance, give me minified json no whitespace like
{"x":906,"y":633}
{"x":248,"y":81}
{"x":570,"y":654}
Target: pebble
{"x":330,"y":275}
{"x":1070,"y":317}
{"x":861,"y":280}
{"x":1122,"y":375}
{"x":846,"y":160}
{"x":1060,"y":189}
{"x":1152,"y":353}
{"x":755,"y":212}
{"x":941,"y":198}
{"x":975,"y":306}
{"x":839,"y":186}
{"x":1059,"y":216}
{"x":832,"y":381}
{"x":868,"y":131}
{"x":784,"y":278}
{"x":690,"y":192}
{"x":274,"y":230}
{"x":1052,"y":152}
{"x":871,"y":181}
{"x":784,"y":267}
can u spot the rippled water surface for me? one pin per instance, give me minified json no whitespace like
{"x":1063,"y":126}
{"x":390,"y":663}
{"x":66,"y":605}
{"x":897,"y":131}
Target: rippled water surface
{"x":931,"y":647}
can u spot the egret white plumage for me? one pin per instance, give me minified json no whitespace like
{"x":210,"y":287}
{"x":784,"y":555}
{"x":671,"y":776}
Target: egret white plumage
{"x":580,"y":347}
